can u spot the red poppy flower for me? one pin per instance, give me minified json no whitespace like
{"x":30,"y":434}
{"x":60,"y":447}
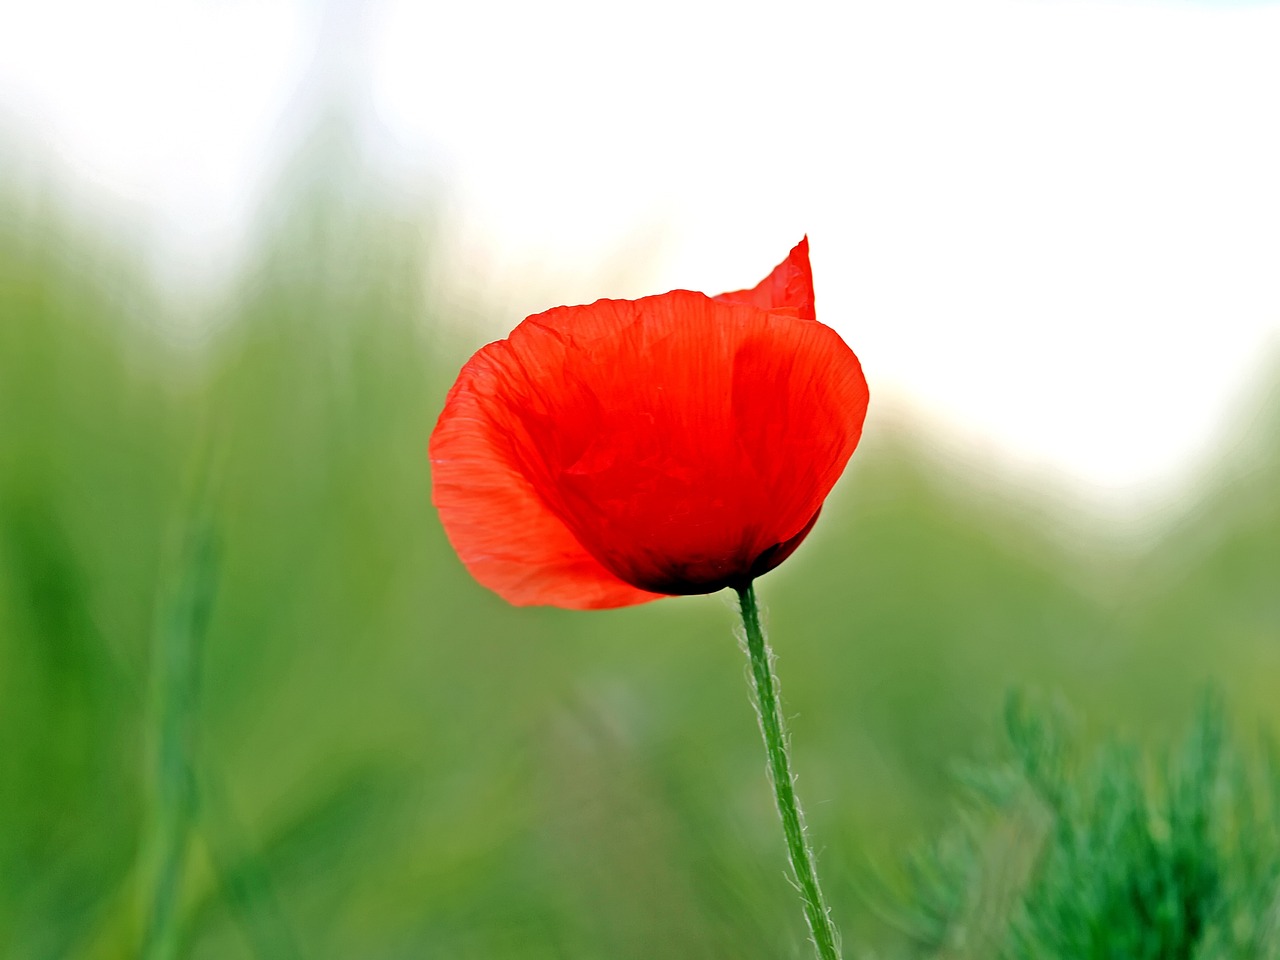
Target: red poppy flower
{"x":609,"y":454}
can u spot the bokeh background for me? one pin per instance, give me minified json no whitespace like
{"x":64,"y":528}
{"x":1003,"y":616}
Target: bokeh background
{"x":244,"y":249}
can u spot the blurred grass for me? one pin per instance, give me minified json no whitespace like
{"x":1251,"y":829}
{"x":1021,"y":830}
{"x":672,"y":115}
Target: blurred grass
{"x":1119,"y":856}
{"x":394,"y":764}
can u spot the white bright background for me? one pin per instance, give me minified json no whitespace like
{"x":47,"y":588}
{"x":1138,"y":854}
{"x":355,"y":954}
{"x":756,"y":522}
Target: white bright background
{"x":1052,"y":227}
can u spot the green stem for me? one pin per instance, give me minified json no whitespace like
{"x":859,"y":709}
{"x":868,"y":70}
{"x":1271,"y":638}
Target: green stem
{"x":825,"y":938}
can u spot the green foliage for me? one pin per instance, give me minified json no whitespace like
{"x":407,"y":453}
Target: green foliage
{"x":387,"y":762}
{"x":1109,"y":856}
{"x":180,"y":637}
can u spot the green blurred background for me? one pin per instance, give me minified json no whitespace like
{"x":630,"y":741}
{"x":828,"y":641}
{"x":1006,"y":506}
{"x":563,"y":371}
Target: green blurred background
{"x":235,"y":645}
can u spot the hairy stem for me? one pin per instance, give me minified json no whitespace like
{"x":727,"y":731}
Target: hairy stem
{"x":825,"y":938}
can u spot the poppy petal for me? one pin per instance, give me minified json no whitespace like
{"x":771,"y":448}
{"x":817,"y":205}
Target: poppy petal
{"x":503,"y":533}
{"x":788,"y":287}
{"x":799,"y":402}
{"x":678,"y":438}
{"x":606,"y":454}
{"x":776,"y":554}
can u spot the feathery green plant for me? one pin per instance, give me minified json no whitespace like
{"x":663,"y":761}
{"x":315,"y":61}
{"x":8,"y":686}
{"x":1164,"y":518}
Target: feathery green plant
{"x":1110,"y":856}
